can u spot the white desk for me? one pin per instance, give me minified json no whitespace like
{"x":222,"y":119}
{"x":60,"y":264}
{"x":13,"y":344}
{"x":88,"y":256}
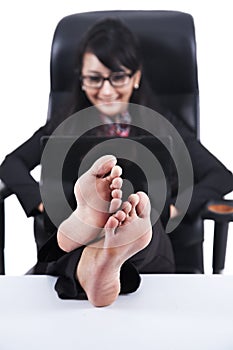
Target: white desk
{"x":168,"y":312}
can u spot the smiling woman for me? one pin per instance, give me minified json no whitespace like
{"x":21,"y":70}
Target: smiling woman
{"x":110,"y":77}
{"x":105,"y":89}
{"x":109,"y":67}
{"x":101,"y":246}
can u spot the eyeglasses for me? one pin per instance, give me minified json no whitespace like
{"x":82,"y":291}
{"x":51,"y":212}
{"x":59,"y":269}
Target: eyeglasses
{"x":115,"y":79}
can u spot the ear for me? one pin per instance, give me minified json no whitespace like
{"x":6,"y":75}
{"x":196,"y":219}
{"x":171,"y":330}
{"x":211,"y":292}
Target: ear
{"x":137,"y":78}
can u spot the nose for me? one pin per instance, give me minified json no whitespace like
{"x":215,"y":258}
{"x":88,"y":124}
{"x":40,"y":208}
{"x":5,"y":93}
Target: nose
{"x":107,"y":88}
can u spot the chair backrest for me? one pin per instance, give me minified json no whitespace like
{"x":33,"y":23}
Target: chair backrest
{"x":169,"y":52}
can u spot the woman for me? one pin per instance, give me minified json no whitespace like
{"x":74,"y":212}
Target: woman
{"x":109,"y":76}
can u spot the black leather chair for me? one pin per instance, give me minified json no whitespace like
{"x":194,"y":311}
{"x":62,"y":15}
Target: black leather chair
{"x":169,"y":51}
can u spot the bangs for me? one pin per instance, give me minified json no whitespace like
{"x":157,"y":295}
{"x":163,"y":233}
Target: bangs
{"x":113,"y":56}
{"x":114,"y":47}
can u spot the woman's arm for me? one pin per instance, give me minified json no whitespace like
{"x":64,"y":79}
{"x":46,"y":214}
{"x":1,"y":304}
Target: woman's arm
{"x":15,"y":172}
{"x":212,"y":180}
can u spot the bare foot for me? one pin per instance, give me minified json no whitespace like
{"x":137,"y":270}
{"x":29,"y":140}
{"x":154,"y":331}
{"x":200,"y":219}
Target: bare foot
{"x":98,"y":193}
{"x":133,"y":232}
{"x":126,"y":233}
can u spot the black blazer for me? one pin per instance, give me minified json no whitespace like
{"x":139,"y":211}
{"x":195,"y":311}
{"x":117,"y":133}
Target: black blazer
{"x":212,"y":180}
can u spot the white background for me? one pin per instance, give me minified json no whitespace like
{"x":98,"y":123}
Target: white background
{"x":26,"y":32}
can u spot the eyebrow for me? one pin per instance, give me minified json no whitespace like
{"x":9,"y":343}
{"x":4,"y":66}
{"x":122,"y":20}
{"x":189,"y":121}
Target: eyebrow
{"x":94,"y":71}
{"x":100,"y":73}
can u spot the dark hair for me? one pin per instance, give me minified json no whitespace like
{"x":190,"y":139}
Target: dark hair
{"x":111,"y":41}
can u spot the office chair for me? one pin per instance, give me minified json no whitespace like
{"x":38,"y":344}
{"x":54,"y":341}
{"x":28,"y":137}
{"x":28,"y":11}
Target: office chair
{"x":169,"y":51}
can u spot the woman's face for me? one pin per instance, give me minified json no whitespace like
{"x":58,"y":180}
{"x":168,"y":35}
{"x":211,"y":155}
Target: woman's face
{"x":108,"y":99}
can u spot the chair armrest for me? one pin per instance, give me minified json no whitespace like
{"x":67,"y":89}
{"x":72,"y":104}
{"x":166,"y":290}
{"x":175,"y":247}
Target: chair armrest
{"x":4,"y":191}
{"x":219,"y":210}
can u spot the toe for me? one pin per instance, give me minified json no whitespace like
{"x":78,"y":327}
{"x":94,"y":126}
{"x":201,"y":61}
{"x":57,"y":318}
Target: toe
{"x":114,"y":205}
{"x":116,"y":193}
{"x":143,"y":207}
{"x":120,"y":215}
{"x":133,"y":199}
{"x":116,"y":171}
{"x":103,"y":165}
{"x":126,"y":207}
{"x":111,"y":225}
{"x":116,"y":183}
